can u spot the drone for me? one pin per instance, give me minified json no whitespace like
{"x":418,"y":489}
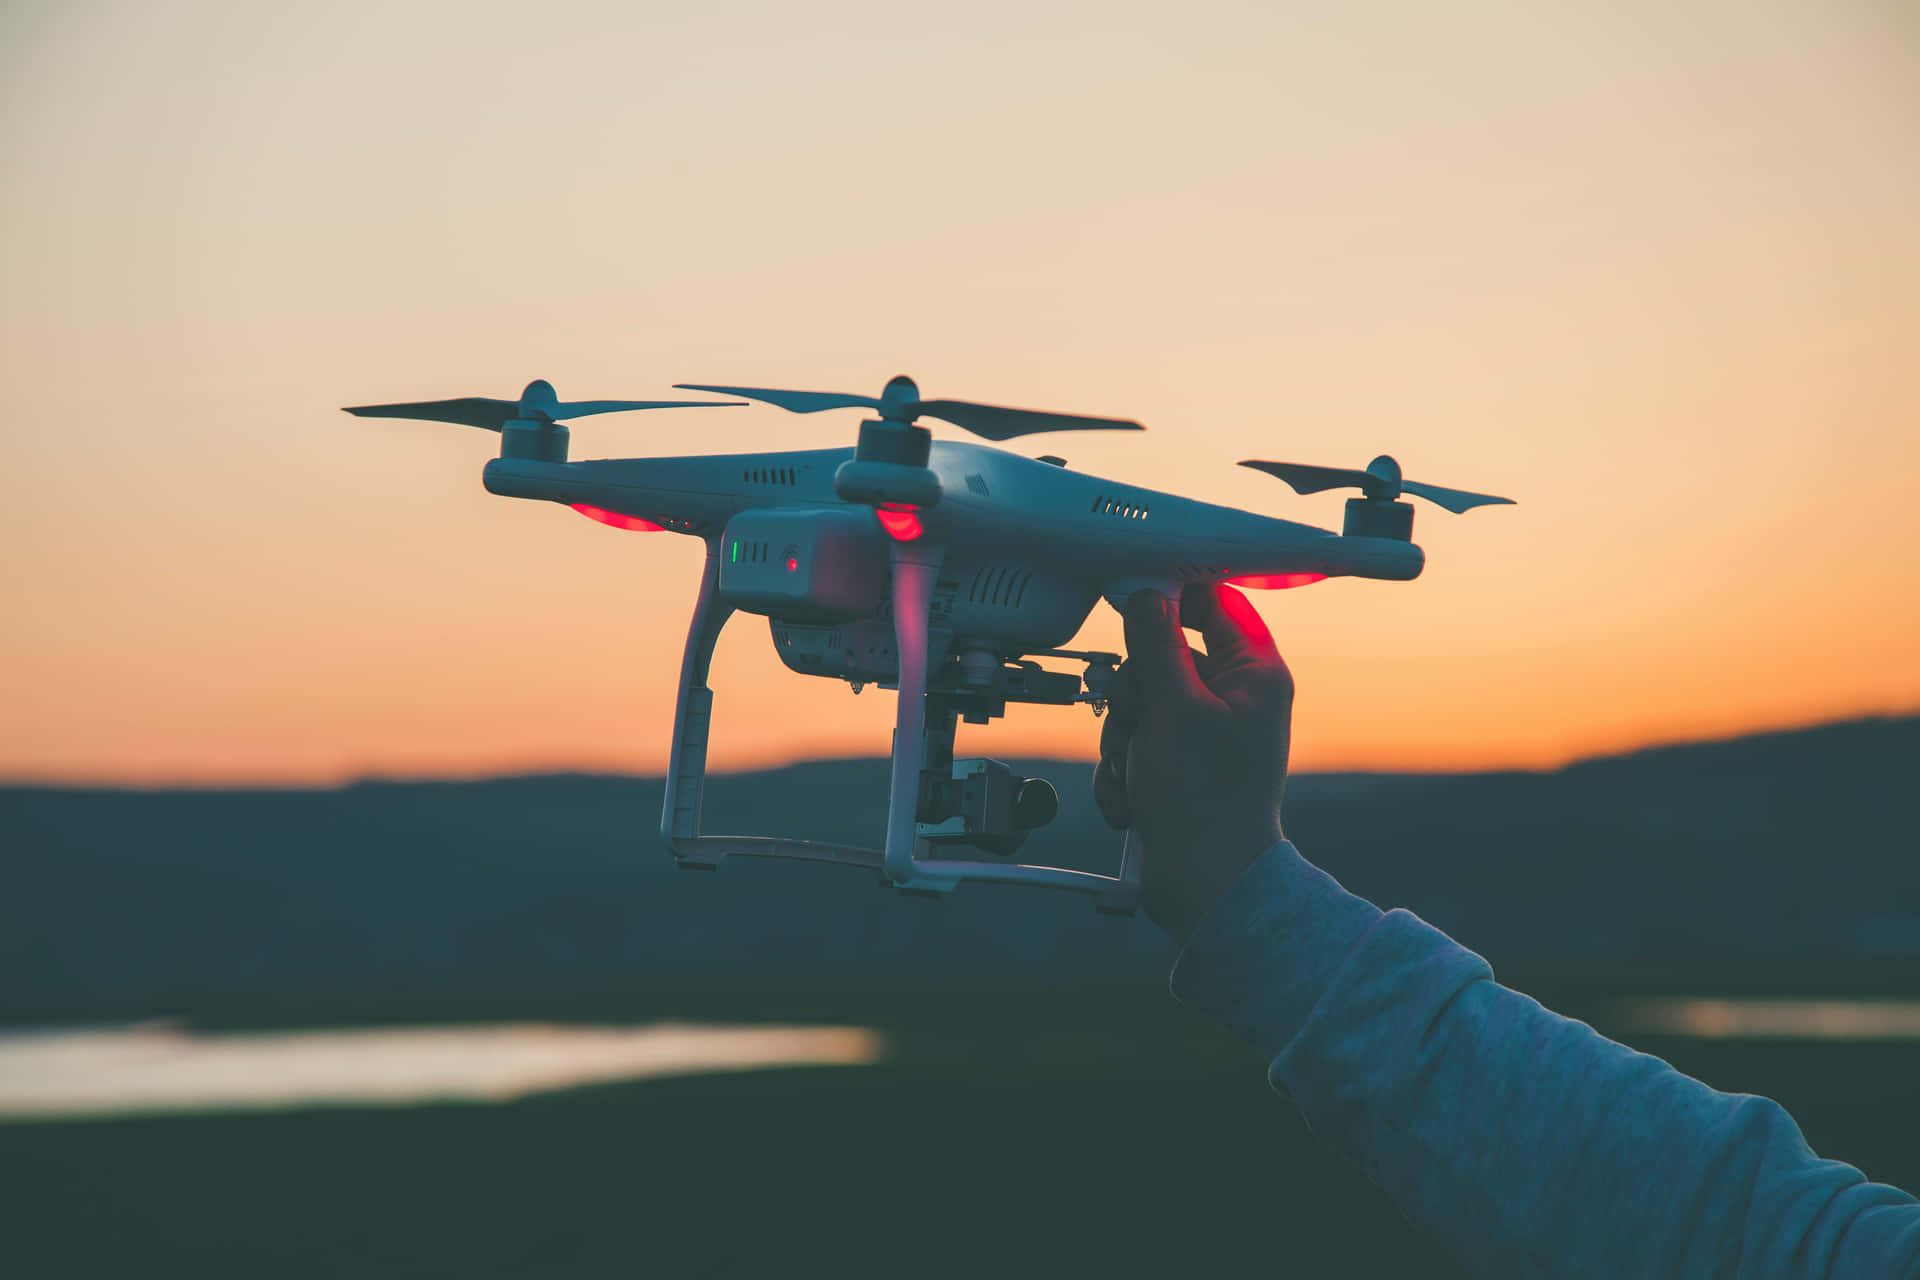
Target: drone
{"x":941,"y":569}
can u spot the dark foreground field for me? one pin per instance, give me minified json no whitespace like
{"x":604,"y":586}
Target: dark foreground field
{"x":1091,"y":1133}
{"x":1045,"y":1107}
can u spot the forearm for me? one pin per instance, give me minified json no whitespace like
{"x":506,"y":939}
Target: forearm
{"x":1528,"y":1142}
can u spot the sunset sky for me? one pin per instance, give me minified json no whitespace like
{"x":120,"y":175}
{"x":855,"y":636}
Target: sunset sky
{"x":1651,"y":269}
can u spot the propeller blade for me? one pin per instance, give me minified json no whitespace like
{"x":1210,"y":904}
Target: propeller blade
{"x":1305,"y":479}
{"x":991,"y":421}
{"x":581,"y":408}
{"x":793,"y":401}
{"x":536,"y":404}
{"x":1381,"y":483}
{"x":995,"y":422}
{"x":473,"y":411}
{"x":1454,"y":500}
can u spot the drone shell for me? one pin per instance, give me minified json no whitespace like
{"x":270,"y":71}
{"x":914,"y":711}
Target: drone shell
{"x":1006,"y":521}
{"x":938,"y":566}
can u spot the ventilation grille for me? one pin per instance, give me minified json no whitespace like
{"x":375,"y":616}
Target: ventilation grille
{"x":1125,"y":508}
{"x":786,"y":636}
{"x":739,"y":552}
{"x":1004,"y":586}
{"x":769,"y":475}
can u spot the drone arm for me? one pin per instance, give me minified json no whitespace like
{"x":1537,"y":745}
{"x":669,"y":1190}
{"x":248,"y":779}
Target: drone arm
{"x":916,"y":566}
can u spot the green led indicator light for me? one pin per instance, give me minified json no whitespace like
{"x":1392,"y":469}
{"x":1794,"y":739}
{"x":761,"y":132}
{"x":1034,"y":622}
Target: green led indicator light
{"x":736,"y":551}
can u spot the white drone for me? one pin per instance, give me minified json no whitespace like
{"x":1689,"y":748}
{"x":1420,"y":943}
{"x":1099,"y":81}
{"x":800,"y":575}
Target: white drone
{"x":940,"y":569}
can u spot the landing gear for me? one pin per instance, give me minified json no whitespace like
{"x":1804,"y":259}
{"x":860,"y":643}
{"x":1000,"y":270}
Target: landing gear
{"x":933,"y":801}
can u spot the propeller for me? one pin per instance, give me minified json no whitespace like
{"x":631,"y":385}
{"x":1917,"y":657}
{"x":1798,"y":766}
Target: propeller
{"x":537,"y":403}
{"x":900,"y":402}
{"x":1381,"y":481}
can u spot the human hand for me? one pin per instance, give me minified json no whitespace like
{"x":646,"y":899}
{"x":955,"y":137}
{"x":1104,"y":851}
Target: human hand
{"x":1194,"y":750}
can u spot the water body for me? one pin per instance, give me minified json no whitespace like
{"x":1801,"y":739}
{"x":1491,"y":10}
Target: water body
{"x":160,"y":1067}
{"x":1771,"y":1019}
{"x":1072,"y":1132}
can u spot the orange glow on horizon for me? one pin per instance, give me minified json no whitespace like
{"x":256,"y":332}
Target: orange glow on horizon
{"x":1553,"y":253}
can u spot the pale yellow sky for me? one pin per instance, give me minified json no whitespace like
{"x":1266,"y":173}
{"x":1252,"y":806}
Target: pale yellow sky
{"x":1650,"y":269}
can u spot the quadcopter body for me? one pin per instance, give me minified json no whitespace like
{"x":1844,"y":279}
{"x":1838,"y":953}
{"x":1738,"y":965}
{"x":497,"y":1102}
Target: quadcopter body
{"x":942,"y":569}
{"x":1029,"y":547}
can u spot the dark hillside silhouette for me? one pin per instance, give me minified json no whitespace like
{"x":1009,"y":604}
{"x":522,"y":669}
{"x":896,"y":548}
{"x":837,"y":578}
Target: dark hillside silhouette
{"x":1776,"y":862}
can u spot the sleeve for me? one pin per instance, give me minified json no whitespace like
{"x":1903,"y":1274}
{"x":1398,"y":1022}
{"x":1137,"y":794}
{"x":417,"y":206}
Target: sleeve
{"x":1528,"y":1143}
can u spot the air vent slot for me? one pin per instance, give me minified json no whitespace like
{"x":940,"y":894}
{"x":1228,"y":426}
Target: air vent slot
{"x":748,"y":552}
{"x":1125,"y":508}
{"x":1001,"y":585}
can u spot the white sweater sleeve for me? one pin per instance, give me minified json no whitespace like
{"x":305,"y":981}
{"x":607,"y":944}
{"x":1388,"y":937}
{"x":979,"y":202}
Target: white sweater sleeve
{"x":1528,"y":1143}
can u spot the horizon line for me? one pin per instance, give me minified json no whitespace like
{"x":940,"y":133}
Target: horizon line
{"x":370,"y":778}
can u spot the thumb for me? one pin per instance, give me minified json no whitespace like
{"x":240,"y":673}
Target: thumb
{"x":1157,"y":649}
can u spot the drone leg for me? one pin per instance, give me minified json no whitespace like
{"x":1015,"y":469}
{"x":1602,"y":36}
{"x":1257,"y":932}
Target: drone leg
{"x":693,"y":718}
{"x":1124,"y":897}
{"x":916,"y":567}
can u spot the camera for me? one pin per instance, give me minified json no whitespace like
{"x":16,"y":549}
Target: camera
{"x":984,"y":803}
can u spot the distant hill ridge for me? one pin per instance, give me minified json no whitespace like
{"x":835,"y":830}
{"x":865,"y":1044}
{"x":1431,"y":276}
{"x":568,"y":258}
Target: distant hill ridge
{"x":1783,"y":859}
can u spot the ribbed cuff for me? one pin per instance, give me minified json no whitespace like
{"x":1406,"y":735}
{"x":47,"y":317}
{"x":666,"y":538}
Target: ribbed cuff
{"x":1263,"y":955}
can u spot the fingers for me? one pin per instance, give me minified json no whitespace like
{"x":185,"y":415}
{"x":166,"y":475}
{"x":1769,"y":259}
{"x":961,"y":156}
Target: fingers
{"x":1234,"y":631}
{"x":1157,"y":650}
{"x":1202,"y":663}
{"x":1160,"y":662}
{"x":1125,"y":707}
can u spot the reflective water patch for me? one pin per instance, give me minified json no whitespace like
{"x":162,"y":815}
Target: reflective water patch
{"x":159,"y":1067}
{"x":1770,"y":1018}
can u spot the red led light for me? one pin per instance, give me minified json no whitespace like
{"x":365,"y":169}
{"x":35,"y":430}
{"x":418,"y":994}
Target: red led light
{"x":793,"y":564}
{"x":1276,"y":581}
{"x":899,"y":520}
{"x":614,"y":518}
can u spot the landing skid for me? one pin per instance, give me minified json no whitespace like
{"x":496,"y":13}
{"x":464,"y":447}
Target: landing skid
{"x":905,"y":862}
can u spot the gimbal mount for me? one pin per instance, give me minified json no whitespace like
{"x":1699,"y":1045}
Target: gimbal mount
{"x":933,"y":800}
